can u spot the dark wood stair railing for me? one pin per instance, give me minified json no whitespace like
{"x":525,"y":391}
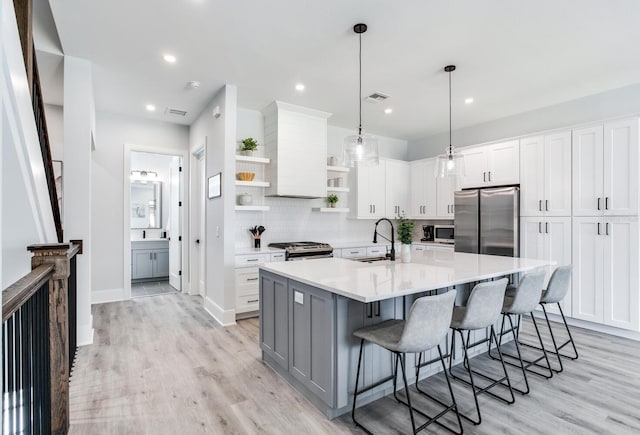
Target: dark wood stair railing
{"x":38,"y":338}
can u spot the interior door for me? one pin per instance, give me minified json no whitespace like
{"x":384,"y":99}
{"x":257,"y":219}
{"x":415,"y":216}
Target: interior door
{"x":202,"y":235}
{"x":175,"y":224}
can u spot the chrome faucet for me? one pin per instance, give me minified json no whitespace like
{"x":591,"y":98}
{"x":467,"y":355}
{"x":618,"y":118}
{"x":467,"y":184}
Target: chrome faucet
{"x":392,"y":254}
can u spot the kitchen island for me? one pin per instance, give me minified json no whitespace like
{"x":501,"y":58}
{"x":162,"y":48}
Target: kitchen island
{"x":309,"y":310}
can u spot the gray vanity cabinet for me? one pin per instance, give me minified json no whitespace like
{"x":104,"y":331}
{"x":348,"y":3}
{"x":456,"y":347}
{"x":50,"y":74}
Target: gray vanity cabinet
{"x":274,"y":320}
{"x":311,"y":325}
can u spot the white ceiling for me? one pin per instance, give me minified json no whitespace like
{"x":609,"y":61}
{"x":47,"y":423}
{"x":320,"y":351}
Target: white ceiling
{"x":512,"y":56}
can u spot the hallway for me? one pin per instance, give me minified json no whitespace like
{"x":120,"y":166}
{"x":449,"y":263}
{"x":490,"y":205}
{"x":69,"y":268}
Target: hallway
{"x":161,"y":365}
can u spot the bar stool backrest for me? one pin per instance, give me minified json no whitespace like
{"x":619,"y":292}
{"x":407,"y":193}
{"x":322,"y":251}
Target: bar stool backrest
{"x":558,"y":285}
{"x":428,"y":322}
{"x":527,"y":295}
{"x":484,"y":304}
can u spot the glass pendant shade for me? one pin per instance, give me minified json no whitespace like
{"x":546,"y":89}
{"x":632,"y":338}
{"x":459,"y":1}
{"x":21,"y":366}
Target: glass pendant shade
{"x":450,"y":164}
{"x":360,"y":150}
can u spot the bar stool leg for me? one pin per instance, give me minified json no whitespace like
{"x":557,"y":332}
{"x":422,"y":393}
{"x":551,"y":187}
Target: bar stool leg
{"x":355,"y":392}
{"x":406,"y":389}
{"x":573,"y":344}
{"x":519,"y":357}
{"x":553,"y":340}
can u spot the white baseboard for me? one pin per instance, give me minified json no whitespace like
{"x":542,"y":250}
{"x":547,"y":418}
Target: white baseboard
{"x":223,"y":317}
{"x":605,"y":329}
{"x":85,"y":333}
{"x":109,"y":295}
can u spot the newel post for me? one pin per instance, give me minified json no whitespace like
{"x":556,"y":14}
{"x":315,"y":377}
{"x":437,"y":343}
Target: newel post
{"x":59,"y":255}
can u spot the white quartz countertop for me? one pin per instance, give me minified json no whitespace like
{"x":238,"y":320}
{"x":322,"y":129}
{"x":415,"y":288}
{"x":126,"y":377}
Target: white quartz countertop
{"x":429,"y":270}
{"x":264,"y":250}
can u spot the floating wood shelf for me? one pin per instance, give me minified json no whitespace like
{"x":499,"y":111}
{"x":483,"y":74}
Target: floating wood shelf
{"x":250,"y":159}
{"x":337,"y":169}
{"x":252,"y":208}
{"x":252,"y":183}
{"x":331,"y":210}
{"x":337,"y":189}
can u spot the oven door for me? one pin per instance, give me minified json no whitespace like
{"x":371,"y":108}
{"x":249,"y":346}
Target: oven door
{"x":309,"y":257}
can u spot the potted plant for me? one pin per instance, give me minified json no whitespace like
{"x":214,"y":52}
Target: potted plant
{"x":249,"y":145}
{"x":405,"y":236}
{"x":332,"y":200}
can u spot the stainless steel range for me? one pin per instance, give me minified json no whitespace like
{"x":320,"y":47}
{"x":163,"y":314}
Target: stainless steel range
{"x":304,"y":250}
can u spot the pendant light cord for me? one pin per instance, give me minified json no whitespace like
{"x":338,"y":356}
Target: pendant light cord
{"x":450,"y":142}
{"x":360,"y":88}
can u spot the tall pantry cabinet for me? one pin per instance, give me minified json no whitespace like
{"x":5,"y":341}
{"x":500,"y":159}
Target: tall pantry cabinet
{"x":606,"y":244}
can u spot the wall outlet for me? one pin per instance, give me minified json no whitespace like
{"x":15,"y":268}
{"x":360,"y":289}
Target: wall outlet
{"x":298,"y":297}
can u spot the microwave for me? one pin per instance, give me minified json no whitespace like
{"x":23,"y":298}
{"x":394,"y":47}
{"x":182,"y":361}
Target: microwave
{"x":443,"y":234}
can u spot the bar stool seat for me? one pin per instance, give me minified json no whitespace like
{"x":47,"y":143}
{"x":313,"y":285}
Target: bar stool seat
{"x":425,"y":327}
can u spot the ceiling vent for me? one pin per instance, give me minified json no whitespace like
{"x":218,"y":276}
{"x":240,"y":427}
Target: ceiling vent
{"x":377,"y":97}
{"x":178,"y":112}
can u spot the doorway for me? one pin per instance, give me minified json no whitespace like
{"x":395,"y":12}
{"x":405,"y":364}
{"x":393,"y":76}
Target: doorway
{"x":156,"y":223}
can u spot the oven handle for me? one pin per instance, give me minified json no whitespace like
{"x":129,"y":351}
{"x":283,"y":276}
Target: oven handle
{"x":309,"y":257}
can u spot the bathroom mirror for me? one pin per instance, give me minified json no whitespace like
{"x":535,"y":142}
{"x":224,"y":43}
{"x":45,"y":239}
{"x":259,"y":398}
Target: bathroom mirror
{"x":146,"y":204}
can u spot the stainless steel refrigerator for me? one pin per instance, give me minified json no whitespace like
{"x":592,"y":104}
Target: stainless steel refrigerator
{"x":487,"y":221}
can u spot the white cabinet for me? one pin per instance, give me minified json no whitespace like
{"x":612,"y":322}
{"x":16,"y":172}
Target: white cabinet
{"x":423,"y":189}
{"x":545,"y":175}
{"x":491,"y":165}
{"x":606,"y":276}
{"x":605,"y":169}
{"x":445,"y":187}
{"x":548,"y":239}
{"x":367,"y":192}
{"x":397,"y":187}
{"x":246,"y":279}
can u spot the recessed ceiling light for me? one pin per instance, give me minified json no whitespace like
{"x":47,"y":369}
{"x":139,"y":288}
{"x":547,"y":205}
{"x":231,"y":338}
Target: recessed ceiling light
{"x":468,"y":100}
{"x":169,"y":58}
{"x":300,"y":87}
{"x":388,"y":110}
{"x":150,"y":107}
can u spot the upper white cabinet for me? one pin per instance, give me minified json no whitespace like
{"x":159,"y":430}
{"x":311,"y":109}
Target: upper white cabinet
{"x":423,"y":189}
{"x":545,"y":175}
{"x":491,"y":165}
{"x":444,"y":196}
{"x":296,"y":143}
{"x":368,"y":191}
{"x":397,"y":179}
{"x":605,"y":161}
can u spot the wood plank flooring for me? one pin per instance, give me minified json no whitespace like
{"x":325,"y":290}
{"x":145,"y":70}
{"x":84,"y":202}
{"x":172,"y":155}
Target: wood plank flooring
{"x":162,"y":365}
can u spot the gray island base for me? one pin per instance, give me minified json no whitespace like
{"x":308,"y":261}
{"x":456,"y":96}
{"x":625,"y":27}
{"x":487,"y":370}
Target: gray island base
{"x":310,"y":309}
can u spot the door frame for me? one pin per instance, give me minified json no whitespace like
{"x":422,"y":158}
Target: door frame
{"x":196,"y":214}
{"x":184,"y":154}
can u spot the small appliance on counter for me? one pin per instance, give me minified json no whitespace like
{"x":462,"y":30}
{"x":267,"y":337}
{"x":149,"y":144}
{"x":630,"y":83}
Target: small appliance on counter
{"x":444,"y":234}
{"x":428,"y":233}
{"x":304,"y":250}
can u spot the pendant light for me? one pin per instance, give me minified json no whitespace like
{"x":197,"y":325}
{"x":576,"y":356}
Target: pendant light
{"x":450,"y":163}
{"x":360,"y":149}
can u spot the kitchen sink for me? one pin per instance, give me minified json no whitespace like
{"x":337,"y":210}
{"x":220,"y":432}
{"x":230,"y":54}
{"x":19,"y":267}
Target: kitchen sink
{"x":371,"y":259}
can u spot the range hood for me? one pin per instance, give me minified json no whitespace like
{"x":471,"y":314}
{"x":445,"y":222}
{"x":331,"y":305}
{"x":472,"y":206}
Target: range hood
{"x":295,"y":140}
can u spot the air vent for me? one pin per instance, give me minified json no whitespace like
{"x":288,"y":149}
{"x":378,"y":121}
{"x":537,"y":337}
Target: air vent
{"x":178,"y":112}
{"x":377,"y":97}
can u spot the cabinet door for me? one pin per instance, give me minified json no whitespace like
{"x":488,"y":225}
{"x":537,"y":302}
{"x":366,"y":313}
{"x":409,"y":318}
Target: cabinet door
{"x":444,"y":196}
{"x":417,"y":188}
{"x":161,"y":263}
{"x":621,"y":167}
{"x":532,"y":170}
{"x":475,"y":168}
{"x":397,"y":178}
{"x":587,"y":297}
{"x":310,"y":334}
{"x":557,"y":174}
{"x":378,"y":362}
{"x":532,"y":238}
{"x":371,"y":191}
{"x":274,"y":321}
{"x":587,"y":177}
{"x":621,"y":303}
{"x":503,"y":161}
{"x":557,"y":247}
{"x":142,"y":264}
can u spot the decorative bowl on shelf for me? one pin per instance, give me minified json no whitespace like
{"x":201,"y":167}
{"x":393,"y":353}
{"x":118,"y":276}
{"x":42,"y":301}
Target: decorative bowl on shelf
{"x":246,"y":176}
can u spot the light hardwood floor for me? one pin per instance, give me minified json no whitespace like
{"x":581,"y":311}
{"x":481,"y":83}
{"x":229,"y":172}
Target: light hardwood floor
{"x":162,"y":365}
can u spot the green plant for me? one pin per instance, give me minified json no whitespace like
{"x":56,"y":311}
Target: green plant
{"x":249,"y":144}
{"x":405,"y":229}
{"x":332,"y":199}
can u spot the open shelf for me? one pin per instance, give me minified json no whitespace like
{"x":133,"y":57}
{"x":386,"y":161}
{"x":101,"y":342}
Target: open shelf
{"x":337,"y":189}
{"x":337,"y":169}
{"x":252,"y":183}
{"x":331,"y":210}
{"x":251,"y":159}
{"x":252,"y":208}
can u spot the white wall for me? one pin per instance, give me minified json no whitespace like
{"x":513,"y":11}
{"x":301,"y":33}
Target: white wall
{"x":291,"y":219}
{"x":219,"y":137}
{"x":593,"y":108}
{"x":55,"y":128}
{"x":107,"y":190}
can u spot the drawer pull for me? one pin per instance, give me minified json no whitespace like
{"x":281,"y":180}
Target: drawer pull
{"x":252,"y":279}
{"x":253,"y":301}
{"x":253,"y":259}
{"x":354,"y":252}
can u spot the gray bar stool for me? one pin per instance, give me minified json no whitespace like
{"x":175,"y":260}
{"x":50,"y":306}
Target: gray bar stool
{"x":426,"y":325}
{"x":482,"y":310}
{"x":523,"y":300}
{"x":555,"y":292}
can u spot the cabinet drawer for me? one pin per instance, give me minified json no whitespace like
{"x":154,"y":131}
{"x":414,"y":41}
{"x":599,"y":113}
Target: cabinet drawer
{"x":377,"y":251}
{"x":251,"y":260}
{"x":246,"y":303}
{"x":278,"y":256}
{"x":354,"y":252}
